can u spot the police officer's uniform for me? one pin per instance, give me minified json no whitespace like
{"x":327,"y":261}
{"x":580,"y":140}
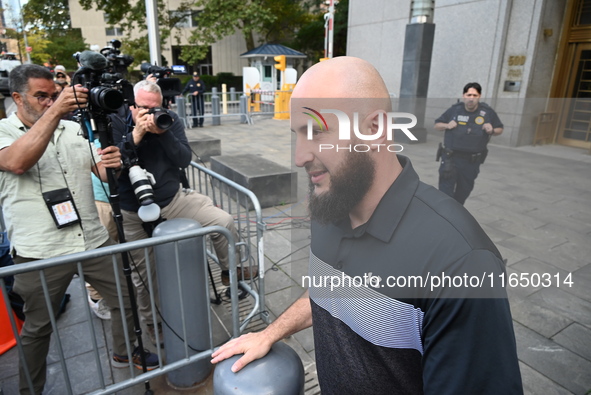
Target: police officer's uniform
{"x":464,"y":148}
{"x":197,"y":103}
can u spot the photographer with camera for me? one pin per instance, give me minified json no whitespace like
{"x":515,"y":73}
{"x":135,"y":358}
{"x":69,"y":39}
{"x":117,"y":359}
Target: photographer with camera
{"x":155,"y":139}
{"x":45,"y":164}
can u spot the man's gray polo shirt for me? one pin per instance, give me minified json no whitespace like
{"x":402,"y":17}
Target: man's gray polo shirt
{"x":384,"y":339}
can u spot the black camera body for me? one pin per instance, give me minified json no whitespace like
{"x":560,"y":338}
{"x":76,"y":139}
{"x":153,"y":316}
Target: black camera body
{"x":156,"y":71}
{"x":117,"y":63}
{"x":162,"y":117}
{"x":108,"y":91}
{"x":170,"y":86}
{"x":102,"y":75}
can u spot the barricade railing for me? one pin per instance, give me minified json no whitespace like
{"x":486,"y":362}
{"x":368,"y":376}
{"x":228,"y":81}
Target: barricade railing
{"x":255,"y":102}
{"x":261,"y":102}
{"x":105,"y":385}
{"x":245,"y":208}
{"x":247,"y":251}
{"x":219,"y":105}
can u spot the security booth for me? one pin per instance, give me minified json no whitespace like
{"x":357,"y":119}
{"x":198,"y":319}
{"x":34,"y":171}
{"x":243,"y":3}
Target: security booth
{"x":271,"y":71}
{"x":263,"y":60}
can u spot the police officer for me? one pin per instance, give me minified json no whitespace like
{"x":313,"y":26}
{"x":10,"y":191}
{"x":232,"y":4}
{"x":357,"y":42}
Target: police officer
{"x":196,"y":88}
{"x":468,"y":127}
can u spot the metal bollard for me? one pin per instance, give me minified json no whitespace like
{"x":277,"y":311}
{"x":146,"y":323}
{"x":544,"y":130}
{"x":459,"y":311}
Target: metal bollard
{"x":280,"y":372}
{"x":243,"y":108}
{"x":192,"y":295}
{"x":215,"y":107}
{"x":181,"y":109}
{"x":232,"y":94}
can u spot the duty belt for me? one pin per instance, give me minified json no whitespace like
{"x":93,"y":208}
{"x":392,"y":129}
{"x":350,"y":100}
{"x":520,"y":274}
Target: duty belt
{"x":473,"y":157}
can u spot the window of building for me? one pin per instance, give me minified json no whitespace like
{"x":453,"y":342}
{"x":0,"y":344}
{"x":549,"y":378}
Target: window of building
{"x":185,"y":18}
{"x":267,"y":72}
{"x":113,"y":31}
{"x":584,"y":13}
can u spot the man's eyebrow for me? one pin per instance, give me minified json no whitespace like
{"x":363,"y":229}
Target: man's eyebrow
{"x":42,"y":93}
{"x":303,"y":128}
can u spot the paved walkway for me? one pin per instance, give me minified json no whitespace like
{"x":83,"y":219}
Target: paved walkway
{"x":535,"y":204}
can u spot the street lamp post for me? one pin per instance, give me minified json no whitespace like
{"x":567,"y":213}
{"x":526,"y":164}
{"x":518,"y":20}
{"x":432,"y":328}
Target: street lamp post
{"x":24,"y":34}
{"x":153,"y":32}
{"x":329,"y":28}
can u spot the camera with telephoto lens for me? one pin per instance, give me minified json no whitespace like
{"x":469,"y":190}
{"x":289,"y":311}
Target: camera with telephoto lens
{"x":162,"y":117}
{"x":141,"y":182}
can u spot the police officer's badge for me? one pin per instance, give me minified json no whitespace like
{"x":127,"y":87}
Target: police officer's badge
{"x":479,"y":120}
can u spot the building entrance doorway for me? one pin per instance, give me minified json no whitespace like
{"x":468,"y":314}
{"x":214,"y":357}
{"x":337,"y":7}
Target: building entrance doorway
{"x":572,"y":82}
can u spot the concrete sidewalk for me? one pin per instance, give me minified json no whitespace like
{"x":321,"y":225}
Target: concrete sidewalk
{"x":535,"y":204}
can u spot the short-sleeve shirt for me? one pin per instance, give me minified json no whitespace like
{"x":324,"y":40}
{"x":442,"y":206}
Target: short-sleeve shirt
{"x":468,"y":136}
{"x":66,"y":163}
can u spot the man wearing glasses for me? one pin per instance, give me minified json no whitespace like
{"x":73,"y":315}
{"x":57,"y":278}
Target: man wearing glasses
{"x":162,"y":153}
{"x":48,"y":204}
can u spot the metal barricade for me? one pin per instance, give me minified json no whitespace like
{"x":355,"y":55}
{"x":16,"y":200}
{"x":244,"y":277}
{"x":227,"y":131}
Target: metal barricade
{"x":98,"y":378}
{"x":228,"y":106}
{"x":244,"y":206}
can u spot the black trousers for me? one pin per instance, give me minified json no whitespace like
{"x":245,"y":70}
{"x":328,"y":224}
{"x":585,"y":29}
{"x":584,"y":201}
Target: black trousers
{"x":197,"y":110}
{"x":460,"y":184}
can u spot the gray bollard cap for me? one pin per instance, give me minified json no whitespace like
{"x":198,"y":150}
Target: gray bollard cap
{"x":176,"y":225}
{"x":280,"y":372}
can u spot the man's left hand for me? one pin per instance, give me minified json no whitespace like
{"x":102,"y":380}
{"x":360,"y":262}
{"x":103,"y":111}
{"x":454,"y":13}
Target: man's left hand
{"x":110,"y":157}
{"x":145,"y":123}
{"x":488,"y":128}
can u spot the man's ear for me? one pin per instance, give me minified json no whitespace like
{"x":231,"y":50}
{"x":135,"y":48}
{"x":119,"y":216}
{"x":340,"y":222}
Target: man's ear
{"x":17,"y":98}
{"x":376,"y":124}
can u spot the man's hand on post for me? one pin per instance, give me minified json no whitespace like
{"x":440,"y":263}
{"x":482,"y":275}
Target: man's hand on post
{"x":252,"y":345}
{"x":110,"y":157}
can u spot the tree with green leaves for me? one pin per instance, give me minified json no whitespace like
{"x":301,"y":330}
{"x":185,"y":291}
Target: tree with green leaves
{"x":309,"y":37}
{"x":219,"y":19}
{"x":50,"y":20}
{"x":299,"y":24}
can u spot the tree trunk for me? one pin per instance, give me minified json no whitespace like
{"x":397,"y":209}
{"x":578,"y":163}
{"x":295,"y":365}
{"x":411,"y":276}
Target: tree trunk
{"x":249,"y":38}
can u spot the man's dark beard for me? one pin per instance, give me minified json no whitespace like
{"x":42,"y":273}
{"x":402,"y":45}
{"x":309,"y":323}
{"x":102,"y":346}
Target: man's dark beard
{"x":348,"y":185}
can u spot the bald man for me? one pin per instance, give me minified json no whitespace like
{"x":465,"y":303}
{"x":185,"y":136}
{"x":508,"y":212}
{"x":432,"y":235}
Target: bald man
{"x":377,"y":234}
